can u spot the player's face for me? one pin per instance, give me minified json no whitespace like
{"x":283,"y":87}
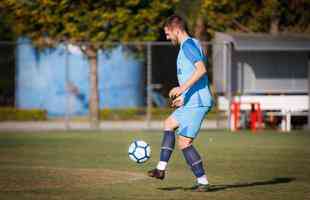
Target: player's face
{"x":171,"y":35}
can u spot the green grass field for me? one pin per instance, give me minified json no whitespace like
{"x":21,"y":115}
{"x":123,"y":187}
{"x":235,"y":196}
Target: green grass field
{"x":94,"y":165}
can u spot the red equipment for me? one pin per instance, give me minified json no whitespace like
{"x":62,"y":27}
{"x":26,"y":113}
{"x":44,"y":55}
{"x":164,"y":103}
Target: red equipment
{"x":256,"y":117}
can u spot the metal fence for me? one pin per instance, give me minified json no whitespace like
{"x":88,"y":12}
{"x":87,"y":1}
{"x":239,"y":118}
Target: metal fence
{"x":133,"y":80}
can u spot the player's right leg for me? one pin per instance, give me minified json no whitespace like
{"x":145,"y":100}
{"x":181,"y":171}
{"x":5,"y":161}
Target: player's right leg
{"x":167,"y":148}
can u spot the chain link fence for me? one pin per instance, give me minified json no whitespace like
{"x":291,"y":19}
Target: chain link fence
{"x":134,"y":80}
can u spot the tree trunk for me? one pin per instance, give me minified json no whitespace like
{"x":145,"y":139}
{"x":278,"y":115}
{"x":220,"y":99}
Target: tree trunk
{"x":94,"y":97}
{"x":274,"y":26}
{"x":200,"y":31}
{"x":274,"y":22}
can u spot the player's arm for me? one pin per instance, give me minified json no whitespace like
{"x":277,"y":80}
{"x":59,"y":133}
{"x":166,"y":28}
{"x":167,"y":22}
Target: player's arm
{"x":194,"y":55}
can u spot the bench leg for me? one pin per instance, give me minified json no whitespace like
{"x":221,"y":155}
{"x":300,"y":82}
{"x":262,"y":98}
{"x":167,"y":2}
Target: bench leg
{"x":288,"y":121}
{"x":283,"y":122}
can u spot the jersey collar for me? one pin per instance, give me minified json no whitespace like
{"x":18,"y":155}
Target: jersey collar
{"x":182,"y":42}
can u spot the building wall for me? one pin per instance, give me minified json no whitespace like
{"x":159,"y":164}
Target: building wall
{"x":219,"y":64}
{"x":57,"y":80}
{"x":270,"y":72}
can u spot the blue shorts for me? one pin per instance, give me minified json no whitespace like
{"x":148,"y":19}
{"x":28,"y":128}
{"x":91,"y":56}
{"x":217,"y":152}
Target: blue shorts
{"x":190,"y":120}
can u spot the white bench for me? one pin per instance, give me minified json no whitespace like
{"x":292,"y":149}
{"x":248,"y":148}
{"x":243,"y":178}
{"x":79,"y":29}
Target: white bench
{"x":281,"y":105}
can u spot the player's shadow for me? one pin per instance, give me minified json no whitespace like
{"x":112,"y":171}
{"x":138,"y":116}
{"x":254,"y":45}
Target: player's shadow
{"x":214,"y":188}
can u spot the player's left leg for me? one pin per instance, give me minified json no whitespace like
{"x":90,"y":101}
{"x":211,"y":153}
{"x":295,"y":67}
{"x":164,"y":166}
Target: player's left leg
{"x":194,"y":160}
{"x":191,"y":122}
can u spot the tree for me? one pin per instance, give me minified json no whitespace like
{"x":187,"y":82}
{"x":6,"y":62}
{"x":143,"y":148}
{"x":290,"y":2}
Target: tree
{"x":192,"y":12}
{"x":271,"y":16}
{"x":5,"y":30}
{"x":88,"y":24}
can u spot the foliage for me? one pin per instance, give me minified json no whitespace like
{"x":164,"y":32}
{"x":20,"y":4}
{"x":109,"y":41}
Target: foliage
{"x":255,"y":16}
{"x":87,"y":23}
{"x":5,"y":25}
{"x":140,"y":113}
{"x":88,"y":20}
{"x":13,"y":114}
{"x":249,"y":16}
{"x":133,"y":113}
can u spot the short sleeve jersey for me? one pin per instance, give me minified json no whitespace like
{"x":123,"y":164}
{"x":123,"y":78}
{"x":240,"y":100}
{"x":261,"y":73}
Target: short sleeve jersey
{"x":199,"y":94}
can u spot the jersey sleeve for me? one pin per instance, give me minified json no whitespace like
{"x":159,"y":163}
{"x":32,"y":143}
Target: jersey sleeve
{"x":191,"y":51}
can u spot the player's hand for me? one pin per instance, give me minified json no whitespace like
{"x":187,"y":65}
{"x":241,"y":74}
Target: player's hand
{"x":175,"y":92}
{"x":177,"y":102}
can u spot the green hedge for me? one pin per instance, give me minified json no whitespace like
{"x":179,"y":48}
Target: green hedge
{"x":140,"y":114}
{"x":13,"y":114}
{"x":133,"y":113}
{"x":121,"y":114}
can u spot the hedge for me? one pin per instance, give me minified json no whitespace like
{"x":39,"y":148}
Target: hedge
{"x":13,"y":114}
{"x":140,"y":114}
{"x":133,"y":113}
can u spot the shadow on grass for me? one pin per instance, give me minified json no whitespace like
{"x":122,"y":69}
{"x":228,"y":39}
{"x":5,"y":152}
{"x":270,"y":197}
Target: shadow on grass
{"x":214,"y":188}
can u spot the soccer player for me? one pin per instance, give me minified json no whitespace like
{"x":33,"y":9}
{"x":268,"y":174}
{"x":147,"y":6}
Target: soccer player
{"x":193,"y":100}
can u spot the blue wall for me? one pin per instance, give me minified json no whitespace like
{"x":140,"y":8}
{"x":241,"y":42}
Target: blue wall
{"x":41,"y":79}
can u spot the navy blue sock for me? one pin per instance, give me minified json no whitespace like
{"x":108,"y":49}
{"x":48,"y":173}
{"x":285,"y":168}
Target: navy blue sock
{"x":193,"y":159}
{"x":167,"y":146}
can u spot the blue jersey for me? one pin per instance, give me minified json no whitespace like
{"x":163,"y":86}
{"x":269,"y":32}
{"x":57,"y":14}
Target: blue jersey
{"x":199,"y":94}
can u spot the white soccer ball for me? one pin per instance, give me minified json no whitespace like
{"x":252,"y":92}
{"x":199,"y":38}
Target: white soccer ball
{"x":139,"y":151}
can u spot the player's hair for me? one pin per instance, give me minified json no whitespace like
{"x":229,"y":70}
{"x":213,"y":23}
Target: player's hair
{"x":175,"y":21}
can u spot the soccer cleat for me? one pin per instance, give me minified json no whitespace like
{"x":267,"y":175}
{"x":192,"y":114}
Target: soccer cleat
{"x":156,"y":173}
{"x":201,"y":188}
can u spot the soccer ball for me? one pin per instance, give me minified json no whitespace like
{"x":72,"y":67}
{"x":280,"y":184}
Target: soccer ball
{"x":139,"y":151}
